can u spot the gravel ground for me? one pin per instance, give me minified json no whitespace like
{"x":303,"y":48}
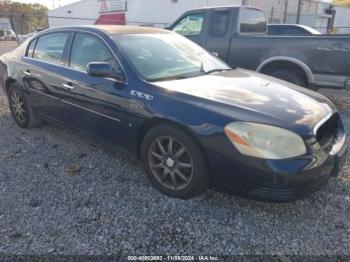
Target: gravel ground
{"x":63,"y":194}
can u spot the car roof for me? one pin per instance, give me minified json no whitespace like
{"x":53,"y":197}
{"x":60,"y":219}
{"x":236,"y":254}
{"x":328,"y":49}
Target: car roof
{"x":219,"y":8}
{"x":114,"y":29}
{"x":214,"y":7}
{"x":295,"y":25}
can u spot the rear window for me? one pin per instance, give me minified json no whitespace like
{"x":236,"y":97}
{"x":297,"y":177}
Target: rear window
{"x":252,"y":21}
{"x":50,"y":47}
{"x":292,"y":31}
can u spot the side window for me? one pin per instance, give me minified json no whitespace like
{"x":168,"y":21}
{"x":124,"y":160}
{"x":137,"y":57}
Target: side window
{"x":50,"y":47}
{"x":252,"y":21}
{"x":190,"y":25}
{"x":273,"y":30}
{"x":30,"y":49}
{"x":292,"y":31}
{"x":88,"y":48}
{"x":219,"y":23}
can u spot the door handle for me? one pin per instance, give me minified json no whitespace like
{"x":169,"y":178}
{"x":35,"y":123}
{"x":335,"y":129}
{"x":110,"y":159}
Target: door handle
{"x":69,"y":86}
{"x":27,"y":73}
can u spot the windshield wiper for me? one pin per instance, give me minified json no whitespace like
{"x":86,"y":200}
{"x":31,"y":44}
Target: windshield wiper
{"x":216,"y":70}
{"x":169,"y":78}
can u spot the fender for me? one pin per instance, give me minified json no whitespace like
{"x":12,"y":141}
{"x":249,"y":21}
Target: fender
{"x":307,"y":70}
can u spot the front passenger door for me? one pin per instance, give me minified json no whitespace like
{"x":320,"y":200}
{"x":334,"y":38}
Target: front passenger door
{"x":94,"y":105}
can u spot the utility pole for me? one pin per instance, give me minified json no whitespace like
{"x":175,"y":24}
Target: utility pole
{"x":285,"y":11}
{"x":300,"y":2}
{"x":272,"y":14}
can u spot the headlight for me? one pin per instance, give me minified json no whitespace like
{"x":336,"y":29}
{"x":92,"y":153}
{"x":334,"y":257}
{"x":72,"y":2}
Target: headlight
{"x":265,"y":141}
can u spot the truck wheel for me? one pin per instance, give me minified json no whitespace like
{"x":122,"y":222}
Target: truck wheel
{"x":173,"y":162}
{"x":290,"y":75}
{"x":21,"y":111}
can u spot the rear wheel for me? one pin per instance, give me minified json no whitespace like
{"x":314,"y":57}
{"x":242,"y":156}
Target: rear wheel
{"x":290,"y":75}
{"x":174,"y":163}
{"x":21,"y":111}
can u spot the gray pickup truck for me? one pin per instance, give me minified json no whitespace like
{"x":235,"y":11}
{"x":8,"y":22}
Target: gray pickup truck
{"x":238,"y":36}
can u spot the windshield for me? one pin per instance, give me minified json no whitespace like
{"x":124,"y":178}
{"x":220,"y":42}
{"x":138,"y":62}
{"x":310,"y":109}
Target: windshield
{"x":159,"y":57}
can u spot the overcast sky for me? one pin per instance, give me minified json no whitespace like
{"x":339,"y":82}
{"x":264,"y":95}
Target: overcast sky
{"x":49,"y":3}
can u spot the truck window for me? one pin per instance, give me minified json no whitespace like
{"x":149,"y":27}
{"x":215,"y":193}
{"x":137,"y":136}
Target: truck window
{"x":252,"y":21}
{"x":292,"y":31}
{"x":219,"y":23}
{"x":273,"y":30}
{"x":190,"y":25}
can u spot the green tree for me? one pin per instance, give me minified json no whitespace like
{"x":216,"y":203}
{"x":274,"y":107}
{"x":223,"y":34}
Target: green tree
{"x":342,"y":2}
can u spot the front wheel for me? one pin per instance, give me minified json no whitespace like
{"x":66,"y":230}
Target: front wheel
{"x":21,"y":111}
{"x":174,"y":163}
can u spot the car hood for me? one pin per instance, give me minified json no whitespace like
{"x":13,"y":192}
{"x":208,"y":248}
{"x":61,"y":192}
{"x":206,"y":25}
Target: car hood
{"x":274,"y":101}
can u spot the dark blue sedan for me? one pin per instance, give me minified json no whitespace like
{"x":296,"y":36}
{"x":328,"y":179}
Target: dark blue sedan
{"x":193,"y":121}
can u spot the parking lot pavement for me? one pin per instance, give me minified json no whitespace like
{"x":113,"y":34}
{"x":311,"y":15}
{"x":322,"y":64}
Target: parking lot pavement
{"x":6,"y":46}
{"x":63,"y":194}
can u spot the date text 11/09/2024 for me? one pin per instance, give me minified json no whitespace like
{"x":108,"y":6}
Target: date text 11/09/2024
{"x":173,"y":258}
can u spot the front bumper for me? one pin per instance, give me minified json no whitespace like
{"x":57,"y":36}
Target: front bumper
{"x":276,"y":180}
{"x":311,"y":181}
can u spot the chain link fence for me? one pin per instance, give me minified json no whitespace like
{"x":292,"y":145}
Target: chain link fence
{"x":23,"y":23}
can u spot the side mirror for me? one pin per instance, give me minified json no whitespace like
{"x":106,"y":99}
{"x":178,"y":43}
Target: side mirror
{"x":102,"y":69}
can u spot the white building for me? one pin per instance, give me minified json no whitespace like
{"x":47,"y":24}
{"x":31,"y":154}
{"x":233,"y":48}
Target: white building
{"x":136,"y":12}
{"x":312,"y":13}
{"x":84,"y":12}
{"x":163,"y":12}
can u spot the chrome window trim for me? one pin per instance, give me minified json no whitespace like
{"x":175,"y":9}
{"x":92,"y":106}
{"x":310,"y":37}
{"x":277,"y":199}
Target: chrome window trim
{"x":74,"y":31}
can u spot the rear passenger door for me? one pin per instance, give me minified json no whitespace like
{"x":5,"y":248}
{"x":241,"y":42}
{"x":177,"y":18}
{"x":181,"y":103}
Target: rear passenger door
{"x":43,"y":65}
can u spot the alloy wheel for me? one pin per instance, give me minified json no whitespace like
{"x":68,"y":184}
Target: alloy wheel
{"x":18,"y":106}
{"x":170,"y":163}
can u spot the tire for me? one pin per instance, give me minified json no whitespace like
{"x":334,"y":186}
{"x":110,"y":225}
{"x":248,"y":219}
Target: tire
{"x":175,"y":162}
{"x":290,"y":75}
{"x":28,"y":119}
